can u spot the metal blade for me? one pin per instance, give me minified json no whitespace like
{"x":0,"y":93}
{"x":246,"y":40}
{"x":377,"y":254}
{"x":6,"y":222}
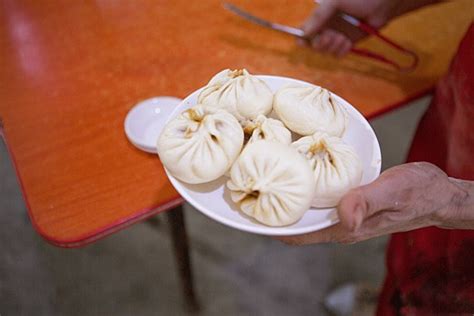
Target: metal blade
{"x":254,"y":19}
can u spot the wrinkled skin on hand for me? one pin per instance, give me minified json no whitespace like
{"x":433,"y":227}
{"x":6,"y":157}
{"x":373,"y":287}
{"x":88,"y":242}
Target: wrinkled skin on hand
{"x":403,"y":198}
{"x":328,"y":33}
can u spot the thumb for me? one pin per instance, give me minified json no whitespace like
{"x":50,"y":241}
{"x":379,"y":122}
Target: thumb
{"x":362,"y":202}
{"x":319,"y":18}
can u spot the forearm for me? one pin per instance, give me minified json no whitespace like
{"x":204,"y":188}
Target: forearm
{"x":460,"y":212}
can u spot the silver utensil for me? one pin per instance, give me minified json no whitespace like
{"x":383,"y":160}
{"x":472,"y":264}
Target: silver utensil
{"x":366,"y":53}
{"x":254,"y":19}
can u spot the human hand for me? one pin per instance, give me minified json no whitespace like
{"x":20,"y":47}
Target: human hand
{"x":403,"y":198}
{"x":326,"y":32}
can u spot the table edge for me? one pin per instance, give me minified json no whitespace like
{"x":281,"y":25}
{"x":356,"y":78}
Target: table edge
{"x":102,"y":232}
{"x":402,"y":103}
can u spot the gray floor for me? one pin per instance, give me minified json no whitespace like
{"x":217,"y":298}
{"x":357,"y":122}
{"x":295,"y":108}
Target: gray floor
{"x":131,"y":272}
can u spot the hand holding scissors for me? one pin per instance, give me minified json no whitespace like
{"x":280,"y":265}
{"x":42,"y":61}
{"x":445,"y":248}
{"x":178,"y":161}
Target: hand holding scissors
{"x":313,"y":26}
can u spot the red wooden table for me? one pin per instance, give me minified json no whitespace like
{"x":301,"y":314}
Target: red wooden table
{"x":71,"y":70}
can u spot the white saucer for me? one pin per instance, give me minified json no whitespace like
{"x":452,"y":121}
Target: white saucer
{"x":144,"y":122}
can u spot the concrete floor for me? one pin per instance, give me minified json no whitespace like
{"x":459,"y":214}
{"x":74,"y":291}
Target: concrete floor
{"x":132,"y":272}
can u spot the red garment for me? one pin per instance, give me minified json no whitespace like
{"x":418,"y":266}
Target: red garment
{"x":431,"y":270}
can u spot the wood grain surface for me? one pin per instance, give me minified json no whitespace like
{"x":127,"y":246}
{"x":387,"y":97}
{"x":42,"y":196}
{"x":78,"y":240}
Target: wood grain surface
{"x":71,"y":70}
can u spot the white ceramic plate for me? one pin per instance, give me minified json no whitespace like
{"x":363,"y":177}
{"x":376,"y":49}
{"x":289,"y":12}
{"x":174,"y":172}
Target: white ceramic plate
{"x":213,"y":199}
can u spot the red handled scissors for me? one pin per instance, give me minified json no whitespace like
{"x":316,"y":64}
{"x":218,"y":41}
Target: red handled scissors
{"x":351,"y":20}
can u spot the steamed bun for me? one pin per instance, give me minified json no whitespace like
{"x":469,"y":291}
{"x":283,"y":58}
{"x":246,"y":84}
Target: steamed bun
{"x":243,"y":95}
{"x":264,"y":128}
{"x":272,"y":183}
{"x":307,"y":109}
{"x":200,"y":144}
{"x":335,"y":166}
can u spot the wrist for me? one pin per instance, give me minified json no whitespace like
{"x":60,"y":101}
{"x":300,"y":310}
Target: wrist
{"x":459,"y":211}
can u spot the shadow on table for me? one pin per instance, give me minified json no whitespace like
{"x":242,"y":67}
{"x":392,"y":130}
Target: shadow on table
{"x":350,"y":64}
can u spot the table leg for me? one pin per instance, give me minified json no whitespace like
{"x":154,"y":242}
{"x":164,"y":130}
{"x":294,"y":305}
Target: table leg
{"x":181,"y":252}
